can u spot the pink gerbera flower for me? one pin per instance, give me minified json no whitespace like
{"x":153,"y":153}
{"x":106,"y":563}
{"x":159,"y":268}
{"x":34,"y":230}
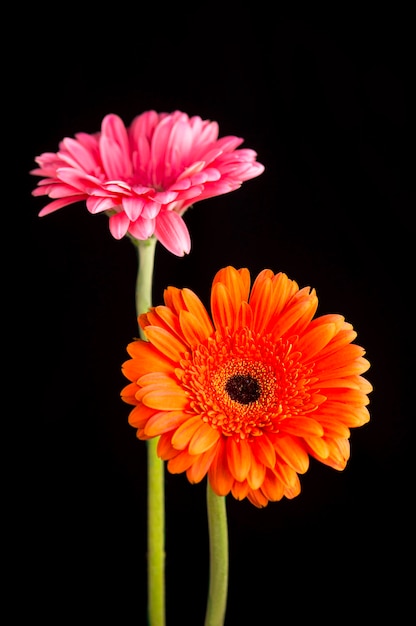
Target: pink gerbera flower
{"x":145,"y":176}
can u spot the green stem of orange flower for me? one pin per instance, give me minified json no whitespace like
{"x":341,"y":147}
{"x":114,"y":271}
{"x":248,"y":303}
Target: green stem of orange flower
{"x":155,"y":466}
{"x":218,"y":554}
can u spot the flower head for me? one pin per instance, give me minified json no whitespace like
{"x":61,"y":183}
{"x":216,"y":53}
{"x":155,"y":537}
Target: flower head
{"x":145,"y":176}
{"x":247,"y":396}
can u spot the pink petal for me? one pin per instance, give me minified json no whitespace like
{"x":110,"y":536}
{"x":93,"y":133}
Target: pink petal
{"x":142,"y":127}
{"x":82,"y":155}
{"x":229,"y":143}
{"x":60,"y":191}
{"x":172,"y":233}
{"x":205,"y":132}
{"x":179,"y":185}
{"x":113,"y":127}
{"x":119,"y":224}
{"x":116,"y":186}
{"x":99,"y":205}
{"x":179,"y":145}
{"x":192,"y":192}
{"x":133,"y":207}
{"x":141,"y":157}
{"x":150,"y":210}
{"x":142,"y":228}
{"x":78,"y":179}
{"x":214,"y":152}
{"x":114,"y":161}
{"x":165,"y":197}
{"x":115,"y":148}
{"x":196,"y":167}
{"x":58,"y":204}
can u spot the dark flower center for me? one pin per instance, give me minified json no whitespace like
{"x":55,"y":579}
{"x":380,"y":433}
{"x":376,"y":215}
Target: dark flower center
{"x":243,"y":389}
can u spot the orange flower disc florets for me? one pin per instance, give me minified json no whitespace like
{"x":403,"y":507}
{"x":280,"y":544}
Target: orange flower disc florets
{"x":245,"y":385}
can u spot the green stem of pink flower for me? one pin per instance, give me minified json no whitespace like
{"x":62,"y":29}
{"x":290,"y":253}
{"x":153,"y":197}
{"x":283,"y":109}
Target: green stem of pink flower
{"x":218,"y":555}
{"x":155,"y":466}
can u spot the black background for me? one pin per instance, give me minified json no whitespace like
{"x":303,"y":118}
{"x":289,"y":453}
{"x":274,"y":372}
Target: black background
{"x":326,"y":103}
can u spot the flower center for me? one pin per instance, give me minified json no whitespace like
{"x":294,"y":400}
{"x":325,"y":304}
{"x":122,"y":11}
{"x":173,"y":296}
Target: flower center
{"x":243,"y":389}
{"x":245,"y":385}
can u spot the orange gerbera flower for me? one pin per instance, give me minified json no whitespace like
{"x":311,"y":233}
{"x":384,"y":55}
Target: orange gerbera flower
{"x":247,"y":396}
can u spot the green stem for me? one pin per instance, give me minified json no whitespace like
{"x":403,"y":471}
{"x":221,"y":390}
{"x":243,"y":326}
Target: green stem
{"x":144,"y":282}
{"x":218,"y":554}
{"x":155,"y":466}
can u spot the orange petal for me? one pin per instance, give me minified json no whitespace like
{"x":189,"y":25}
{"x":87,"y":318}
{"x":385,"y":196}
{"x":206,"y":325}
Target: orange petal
{"x":193,"y":331}
{"x":339,"y":453}
{"x":334,"y":428}
{"x":222,"y":308}
{"x":350,"y":382}
{"x":164,"y":341}
{"x":308,"y":296}
{"x":283,"y":290}
{"x":195,"y":306}
{"x":317,"y":446}
{"x":165,"y":450}
{"x":144,"y":358}
{"x":262,"y":304}
{"x":164,"y":317}
{"x":183,"y":435}
{"x":286,"y":474}
{"x":283,"y":322}
{"x":256,"y":474}
{"x":272,"y":487}
{"x":263,"y":450}
{"x":132,"y":369}
{"x":351,"y":416}
{"x":219,"y":475}
{"x":293,"y":453}
{"x":139,"y":416}
{"x":365,"y":385}
{"x":359,"y":366}
{"x":200,"y":467}
{"x":180,"y":463}
{"x":236,"y":281}
{"x":301,"y":426}
{"x":347,"y":355}
{"x":332,"y":318}
{"x":239,"y":458}
{"x":293,"y":489}
{"x":140,"y":435}
{"x":203,"y":439}
{"x":164,"y":421}
{"x":157,"y":378}
{"x":244,"y":316}
{"x":240,"y":490}
{"x":163,"y":398}
{"x":345,"y":335}
{"x":312,"y":341}
{"x":172,"y":297}
{"x":245,"y":282}
{"x":128,"y":394}
{"x":262,"y":277}
{"x":352,"y":397}
{"x":257,"y":498}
